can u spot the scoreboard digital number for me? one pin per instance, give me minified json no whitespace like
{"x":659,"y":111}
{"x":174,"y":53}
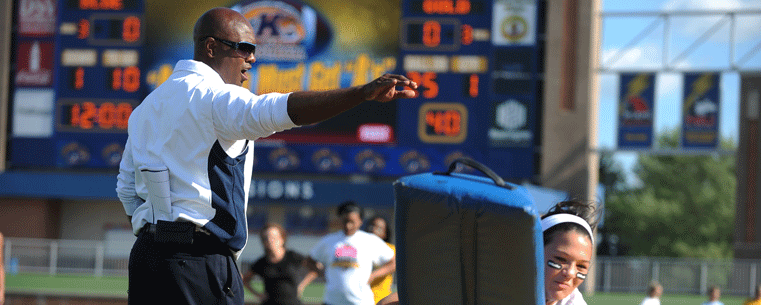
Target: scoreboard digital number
{"x":112,"y":29}
{"x":94,"y":115}
{"x":443,"y":123}
{"x":424,"y":34}
{"x":446,"y":7}
{"x":107,"y":5}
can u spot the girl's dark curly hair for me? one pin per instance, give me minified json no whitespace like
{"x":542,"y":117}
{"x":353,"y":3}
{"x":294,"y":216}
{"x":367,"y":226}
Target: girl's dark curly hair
{"x":585,"y":210}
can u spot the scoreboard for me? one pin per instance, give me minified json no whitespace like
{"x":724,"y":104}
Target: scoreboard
{"x":77,"y":117}
{"x":478,"y":64}
{"x":480,"y":82}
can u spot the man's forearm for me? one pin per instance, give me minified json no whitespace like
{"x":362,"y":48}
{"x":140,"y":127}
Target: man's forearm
{"x":309,"y":107}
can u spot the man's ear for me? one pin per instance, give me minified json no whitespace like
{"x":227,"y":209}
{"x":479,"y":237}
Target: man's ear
{"x":208,"y":47}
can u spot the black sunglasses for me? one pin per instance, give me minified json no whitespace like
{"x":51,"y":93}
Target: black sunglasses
{"x":246,"y":47}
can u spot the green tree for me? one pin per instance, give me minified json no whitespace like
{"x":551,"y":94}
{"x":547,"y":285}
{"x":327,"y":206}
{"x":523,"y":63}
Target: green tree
{"x":612,"y":175}
{"x":684,"y":207}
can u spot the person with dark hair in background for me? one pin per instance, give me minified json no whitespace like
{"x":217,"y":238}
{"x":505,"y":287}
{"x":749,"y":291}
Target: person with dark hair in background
{"x":379,"y":226}
{"x":279,"y":268}
{"x":756,"y":300}
{"x":714,"y":293}
{"x":568,"y":247}
{"x":347,"y":259}
{"x":654,"y":292}
{"x":186,"y":168}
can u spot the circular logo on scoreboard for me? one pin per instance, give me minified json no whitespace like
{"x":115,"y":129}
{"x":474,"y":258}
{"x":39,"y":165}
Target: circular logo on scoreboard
{"x":326,"y":160}
{"x":112,"y":154}
{"x":283,"y":159}
{"x":286,"y":30}
{"x":511,"y":115}
{"x":514,"y":28}
{"x":369,"y":161}
{"x":75,"y":154}
{"x":413,"y":161}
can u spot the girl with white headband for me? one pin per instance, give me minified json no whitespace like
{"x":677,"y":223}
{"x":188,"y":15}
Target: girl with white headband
{"x":568,"y":248}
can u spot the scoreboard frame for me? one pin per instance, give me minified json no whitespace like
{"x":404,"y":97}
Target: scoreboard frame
{"x":469,"y":77}
{"x":96,"y":83}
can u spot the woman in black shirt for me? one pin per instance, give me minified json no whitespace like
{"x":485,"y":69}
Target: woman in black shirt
{"x":280,"y":268}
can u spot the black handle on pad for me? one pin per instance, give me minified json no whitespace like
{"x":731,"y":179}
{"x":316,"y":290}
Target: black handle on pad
{"x":477,"y":165}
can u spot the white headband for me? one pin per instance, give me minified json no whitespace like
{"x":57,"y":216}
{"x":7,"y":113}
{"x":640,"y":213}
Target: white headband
{"x":551,"y":221}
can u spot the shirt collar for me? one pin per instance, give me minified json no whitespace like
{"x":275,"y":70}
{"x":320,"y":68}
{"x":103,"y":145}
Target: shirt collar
{"x":199,"y":68}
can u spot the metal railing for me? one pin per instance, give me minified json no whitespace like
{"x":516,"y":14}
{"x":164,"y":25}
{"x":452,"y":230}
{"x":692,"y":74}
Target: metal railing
{"x":614,"y":274}
{"x":677,"y":275}
{"x":30,"y":255}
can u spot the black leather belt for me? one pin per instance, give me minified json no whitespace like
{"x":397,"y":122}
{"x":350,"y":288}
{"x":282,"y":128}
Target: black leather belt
{"x":151,"y":228}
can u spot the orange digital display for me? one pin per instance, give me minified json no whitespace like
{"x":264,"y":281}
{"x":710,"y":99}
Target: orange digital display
{"x":443,"y":123}
{"x":473,"y":85}
{"x":110,"y":28}
{"x":449,"y":7}
{"x":127,"y":79}
{"x":91,"y":115}
{"x":131,"y":29}
{"x":446,"y":7}
{"x":103,"y":5}
{"x":426,"y":82}
{"x":443,"y":34}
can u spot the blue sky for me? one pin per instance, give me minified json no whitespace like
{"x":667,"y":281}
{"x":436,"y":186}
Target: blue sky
{"x":648,"y":54}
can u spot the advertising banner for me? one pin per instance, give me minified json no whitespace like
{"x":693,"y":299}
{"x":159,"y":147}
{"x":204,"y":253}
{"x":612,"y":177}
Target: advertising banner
{"x":635,"y":110}
{"x":700,"y":110}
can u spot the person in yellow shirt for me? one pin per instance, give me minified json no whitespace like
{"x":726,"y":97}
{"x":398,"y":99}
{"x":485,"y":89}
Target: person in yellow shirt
{"x":381,"y":286}
{"x":756,"y":300}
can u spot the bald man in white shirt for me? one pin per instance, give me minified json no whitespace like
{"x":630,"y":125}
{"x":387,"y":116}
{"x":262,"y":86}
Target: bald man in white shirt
{"x":186,"y":169}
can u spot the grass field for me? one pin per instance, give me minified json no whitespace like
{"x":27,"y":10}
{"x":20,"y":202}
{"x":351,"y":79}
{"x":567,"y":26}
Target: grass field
{"x":635,"y":299}
{"x":105,"y":286}
{"x":117,"y":286}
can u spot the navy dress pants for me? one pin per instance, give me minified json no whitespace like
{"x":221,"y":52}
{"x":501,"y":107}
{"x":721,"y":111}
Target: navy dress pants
{"x":201,"y":272}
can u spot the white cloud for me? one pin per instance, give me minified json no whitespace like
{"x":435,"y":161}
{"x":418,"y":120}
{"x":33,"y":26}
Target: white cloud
{"x":637,"y":58}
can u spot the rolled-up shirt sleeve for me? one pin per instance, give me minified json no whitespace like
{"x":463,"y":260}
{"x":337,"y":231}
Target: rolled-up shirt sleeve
{"x":239,"y":114}
{"x":125,"y":184}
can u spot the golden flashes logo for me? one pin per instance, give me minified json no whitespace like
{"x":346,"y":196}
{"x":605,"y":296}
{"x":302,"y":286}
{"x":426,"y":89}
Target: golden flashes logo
{"x":635,"y":88}
{"x":699,"y":88}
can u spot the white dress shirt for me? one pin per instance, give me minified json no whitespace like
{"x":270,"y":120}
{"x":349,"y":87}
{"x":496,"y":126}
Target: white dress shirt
{"x":202,"y":131}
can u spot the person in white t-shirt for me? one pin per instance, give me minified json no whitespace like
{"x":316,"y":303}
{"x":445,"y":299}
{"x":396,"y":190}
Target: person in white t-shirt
{"x":347,"y":257}
{"x":654,"y":292}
